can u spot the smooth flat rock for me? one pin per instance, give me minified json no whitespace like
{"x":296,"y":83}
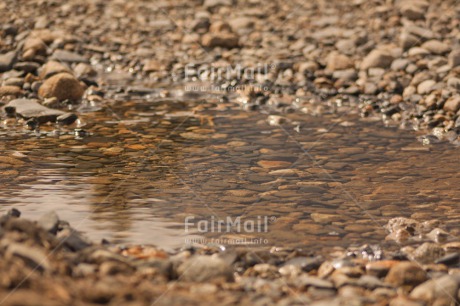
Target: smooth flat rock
{"x":68,"y":57}
{"x":7,"y":60}
{"x":30,"y":108}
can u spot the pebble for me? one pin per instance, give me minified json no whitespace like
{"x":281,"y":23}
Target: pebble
{"x":7,"y":60}
{"x":406,"y":274}
{"x":19,"y":82}
{"x":84,"y":70}
{"x":63,"y":86}
{"x":68,"y":57}
{"x":337,"y":61}
{"x":380,"y":268}
{"x":305,"y":263}
{"x":377,"y":59}
{"x":224,"y":40}
{"x":454,"y":83}
{"x":49,"y":222}
{"x":33,"y":257}
{"x":436,"y":47}
{"x":273,"y":164}
{"x":10,"y":90}
{"x":412,"y":11}
{"x":29,"y":108}
{"x":325,"y":218}
{"x":426,"y":87}
{"x":427,"y":252}
{"x":444,"y":288}
{"x":26,"y":66}
{"x":205,"y":269}
{"x":453,"y":58}
{"x":212,"y":4}
{"x":52,"y":68}
{"x":452,"y":104}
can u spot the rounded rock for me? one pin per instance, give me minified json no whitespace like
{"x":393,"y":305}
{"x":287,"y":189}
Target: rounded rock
{"x":63,"y":86}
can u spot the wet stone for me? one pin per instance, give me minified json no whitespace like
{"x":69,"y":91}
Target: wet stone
{"x":32,"y":109}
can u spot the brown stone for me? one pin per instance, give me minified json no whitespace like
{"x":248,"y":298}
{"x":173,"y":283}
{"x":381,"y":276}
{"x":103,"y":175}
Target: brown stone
{"x":377,"y":59}
{"x":406,"y":274}
{"x":63,"y":86}
{"x":273,"y":164}
{"x":337,"y":61}
{"x":52,"y":68}
{"x":10,"y":90}
{"x":452,"y":104}
{"x":224,"y":40}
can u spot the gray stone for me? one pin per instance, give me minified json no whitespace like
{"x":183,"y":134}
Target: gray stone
{"x":49,"y":222}
{"x":7,"y":60}
{"x":26,"y":66}
{"x":202,"y":268}
{"x":67,"y":118}
{"x":73,"y":240}
{"x":68,"y":57}
{"x":305,"y":263}
{"x":30,"y":108}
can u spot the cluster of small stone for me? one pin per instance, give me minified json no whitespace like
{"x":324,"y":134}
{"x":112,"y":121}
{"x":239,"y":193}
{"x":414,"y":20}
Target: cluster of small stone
{"x":49,"y":259}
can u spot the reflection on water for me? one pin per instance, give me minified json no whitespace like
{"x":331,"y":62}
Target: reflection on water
{"x":321,"y":180}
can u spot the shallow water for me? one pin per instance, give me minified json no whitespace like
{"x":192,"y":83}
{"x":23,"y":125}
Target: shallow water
{"x":150,"y":163}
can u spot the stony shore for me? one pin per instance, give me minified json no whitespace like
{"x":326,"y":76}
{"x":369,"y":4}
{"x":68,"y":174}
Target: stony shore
{"x":47,"y":262}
